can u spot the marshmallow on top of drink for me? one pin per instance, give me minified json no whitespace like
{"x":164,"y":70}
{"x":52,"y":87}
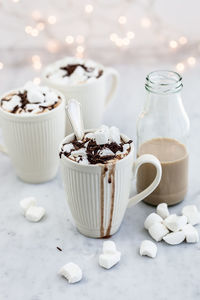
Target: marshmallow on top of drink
{"x":30,"y":99}
{"x":73,"y":71}
{"x":99,"y":147}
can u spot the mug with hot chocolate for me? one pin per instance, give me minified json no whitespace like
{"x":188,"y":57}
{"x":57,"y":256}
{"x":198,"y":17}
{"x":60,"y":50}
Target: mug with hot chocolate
{"x":97,"y":168}
{"x":91,"y":83}
{"x":32,"y":122}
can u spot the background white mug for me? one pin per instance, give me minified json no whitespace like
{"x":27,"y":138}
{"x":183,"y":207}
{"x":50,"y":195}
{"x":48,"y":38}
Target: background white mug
{"x":32,"y":141}
{"x":93,"y":96}
{"x":97,"y":206}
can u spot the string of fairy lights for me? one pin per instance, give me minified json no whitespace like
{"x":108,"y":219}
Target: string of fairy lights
{"x":122,"y":41}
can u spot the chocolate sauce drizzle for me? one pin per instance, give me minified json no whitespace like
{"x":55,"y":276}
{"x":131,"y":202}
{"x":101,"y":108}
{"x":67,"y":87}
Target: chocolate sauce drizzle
{"x":104,"y":169}
{"x":72,"y":67}
{"x":111,"y":177}
{"x":92,"y":150}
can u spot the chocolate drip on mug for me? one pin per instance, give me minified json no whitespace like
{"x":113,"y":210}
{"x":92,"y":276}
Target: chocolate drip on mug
{"x":111,"y":179}
{"x":104,"y":169}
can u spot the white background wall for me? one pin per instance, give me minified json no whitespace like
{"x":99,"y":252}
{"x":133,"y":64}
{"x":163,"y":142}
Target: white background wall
{"x":154,"y":22}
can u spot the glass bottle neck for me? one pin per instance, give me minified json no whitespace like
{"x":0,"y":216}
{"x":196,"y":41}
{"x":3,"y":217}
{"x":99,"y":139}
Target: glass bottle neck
{"x":163,"y":91}
{"x":163,"y":82}
{"x":160,"y":102}
{"x":163,"y":115}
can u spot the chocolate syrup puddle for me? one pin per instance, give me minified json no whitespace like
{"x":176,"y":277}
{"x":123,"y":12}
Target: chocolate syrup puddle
{"x":104,"y":169}
{"x":111,"y":179}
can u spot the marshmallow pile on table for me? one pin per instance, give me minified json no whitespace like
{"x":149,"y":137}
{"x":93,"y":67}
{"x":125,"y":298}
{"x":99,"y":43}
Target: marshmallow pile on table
{"x":30,"y":210}
{"x":171,"y":228}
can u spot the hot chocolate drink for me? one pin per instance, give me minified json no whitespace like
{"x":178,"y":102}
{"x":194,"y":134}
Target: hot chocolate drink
{"x":174,"y":160}
{"x":73,"y":71}
{"x":100,"y":147}
{"x":31,"y":99}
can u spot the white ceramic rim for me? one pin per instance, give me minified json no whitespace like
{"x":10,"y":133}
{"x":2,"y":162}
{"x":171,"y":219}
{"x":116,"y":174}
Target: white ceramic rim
{"x":32,"y":116}
{"x":74,"y":163}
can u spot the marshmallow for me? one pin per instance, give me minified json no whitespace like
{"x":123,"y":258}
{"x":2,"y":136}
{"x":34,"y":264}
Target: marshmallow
{"x":86,"y":144}
{"x":194,"y":218}
{"x":162,"y":210}
{"x":26,"y":203}
{"x":148,"y":248}
{"x":169,"y":219}
{"x":80,"y":152}
{"x":35,"y":213}
{"x":152,"y":219}
{"x":107,"y":261}
{"x":114,"y":135}
{"x":78,"y":76}
{"x":175,"y":223}
{"x":192,"y":214}
{"x":126,"y":147}
{"x":109,"y":247}
{"x":44,"y":89}
{"x":105,"y":152}
{"x":104,"y":128}
{"x":90,"y":135}
{"x":34,"y":107}
{"x":191,"y":234}
{"x":189,"y":209}
{"x":174,"y":238}
{"x":68,"y":147}
{"x":157,"y":231}
{"x":58,"y":73}
{"x":34,"y":96}
{"x":71,"y":272}
{"x":51,"y":98}
{"x":7,"y":105}
{"x":12,"y":103}
{"x":16,"y":100}
{"x":101,"y":136}
{"x":83,"y":161}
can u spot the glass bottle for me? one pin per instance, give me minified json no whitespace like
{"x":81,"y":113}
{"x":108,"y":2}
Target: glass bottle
{"x":162,"y":130}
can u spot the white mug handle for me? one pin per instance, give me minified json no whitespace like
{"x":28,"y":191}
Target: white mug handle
{"x":143,"y":159}
{"x":115,"y":82}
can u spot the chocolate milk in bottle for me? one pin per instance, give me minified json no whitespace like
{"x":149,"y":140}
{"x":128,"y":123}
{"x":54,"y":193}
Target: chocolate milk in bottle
{"x":162,"y":130}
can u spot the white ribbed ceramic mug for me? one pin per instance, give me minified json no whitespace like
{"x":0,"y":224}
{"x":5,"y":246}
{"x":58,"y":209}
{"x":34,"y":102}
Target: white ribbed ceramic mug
{"x":32,"y":141}
{"x":98,"y":195}
{"x":93,"y":96}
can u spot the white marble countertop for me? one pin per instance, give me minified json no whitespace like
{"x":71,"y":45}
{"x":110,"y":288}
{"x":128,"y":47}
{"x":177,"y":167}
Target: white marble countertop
{"x":29,"y":260}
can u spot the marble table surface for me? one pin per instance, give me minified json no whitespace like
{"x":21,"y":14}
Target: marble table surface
{"x":29,"y":260}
